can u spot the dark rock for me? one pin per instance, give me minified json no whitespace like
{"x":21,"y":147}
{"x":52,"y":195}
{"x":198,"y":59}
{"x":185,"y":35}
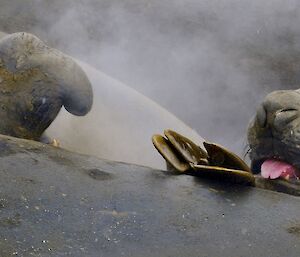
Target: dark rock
{"x":84,"y":206}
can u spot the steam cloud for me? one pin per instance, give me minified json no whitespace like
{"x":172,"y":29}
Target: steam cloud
{"x":209,"y":62}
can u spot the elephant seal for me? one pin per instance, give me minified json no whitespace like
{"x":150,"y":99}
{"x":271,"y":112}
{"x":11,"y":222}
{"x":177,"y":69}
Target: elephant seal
{"x":39,"y":80}
{"x":274,"y":136}
{"x":35,"y":82}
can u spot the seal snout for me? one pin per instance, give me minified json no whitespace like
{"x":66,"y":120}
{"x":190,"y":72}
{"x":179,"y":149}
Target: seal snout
{"x":275,"y":119}
{"x":35,"y":82}
{"x":261,"y":116}
{"x":278,"y":111}
{"x":274,"y":135}
{"x":77,"y":91}
{"x":283,"y":117}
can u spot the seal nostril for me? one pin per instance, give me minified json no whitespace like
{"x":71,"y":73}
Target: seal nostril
{"x":287,"y":110}
{"x":261,"y":116}
{"x":284,"y":117}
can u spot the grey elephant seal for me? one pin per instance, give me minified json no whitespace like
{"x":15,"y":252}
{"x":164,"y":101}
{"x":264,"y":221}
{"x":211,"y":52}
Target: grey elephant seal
{"x":35,"y":82}
{"x":274,"y":136}
{"x":39,"y":80}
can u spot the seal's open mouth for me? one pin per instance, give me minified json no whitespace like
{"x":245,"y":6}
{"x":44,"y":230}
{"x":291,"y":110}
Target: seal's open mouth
{"x":274,"y":168}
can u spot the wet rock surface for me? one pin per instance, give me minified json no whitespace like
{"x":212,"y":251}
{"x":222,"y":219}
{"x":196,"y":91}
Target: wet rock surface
{"x":57,"y":203}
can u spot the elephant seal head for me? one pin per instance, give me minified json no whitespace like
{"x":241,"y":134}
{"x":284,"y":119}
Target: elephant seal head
{"x":35,"y":82}
{"x":274,"y":136}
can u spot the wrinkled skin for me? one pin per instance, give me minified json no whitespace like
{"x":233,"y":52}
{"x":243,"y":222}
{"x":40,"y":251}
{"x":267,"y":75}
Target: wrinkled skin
{"x":35,"y":82}
{"x":275,"y":130}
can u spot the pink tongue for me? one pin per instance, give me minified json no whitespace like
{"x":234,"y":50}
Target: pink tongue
{"x":274,"y":169}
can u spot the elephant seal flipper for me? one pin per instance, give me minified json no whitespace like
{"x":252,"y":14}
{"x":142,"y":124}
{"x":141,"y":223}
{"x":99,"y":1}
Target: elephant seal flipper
{"x":36,"y":81}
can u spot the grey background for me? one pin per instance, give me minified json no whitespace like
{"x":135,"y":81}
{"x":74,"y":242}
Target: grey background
{"x":208,"y":62}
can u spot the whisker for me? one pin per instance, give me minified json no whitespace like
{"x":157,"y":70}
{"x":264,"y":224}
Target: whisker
{"x":247,"y":150}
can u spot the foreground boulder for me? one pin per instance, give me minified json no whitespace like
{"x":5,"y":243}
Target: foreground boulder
{"x":57,"y":203}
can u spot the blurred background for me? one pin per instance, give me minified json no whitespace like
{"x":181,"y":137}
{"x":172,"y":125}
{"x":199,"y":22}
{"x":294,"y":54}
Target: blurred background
{"x":210,"y":62}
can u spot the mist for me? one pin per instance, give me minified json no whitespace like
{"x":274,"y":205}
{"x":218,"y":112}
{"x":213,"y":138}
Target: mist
{"x":208,"y":62}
